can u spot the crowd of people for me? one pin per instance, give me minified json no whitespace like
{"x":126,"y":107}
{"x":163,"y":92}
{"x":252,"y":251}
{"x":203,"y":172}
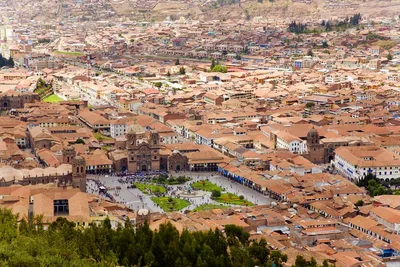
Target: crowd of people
{"x":97,"y":187}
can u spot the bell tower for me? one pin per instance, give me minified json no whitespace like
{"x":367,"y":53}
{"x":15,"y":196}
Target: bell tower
{"x":68,"y":154}
{"x":154,"y":139}
{"x":154,"y":143}
{"x":315,"y":150}
{"x":79,"y":173}
{"x":312,"y":137}
{"x":131,"y":140}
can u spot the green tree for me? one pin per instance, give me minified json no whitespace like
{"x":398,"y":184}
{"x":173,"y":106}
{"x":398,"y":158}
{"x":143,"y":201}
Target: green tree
{"x":359,"y":203}
{"x":158,"y":84}
{"x":66,"y":244}
{"x":310,"y":104}
{"x":247,"y":14}
{"x":200,"y":262}
{"x":277,"y":258}
{"x":177,"y":62}
{"x":23,"y":227}
{"x":79,"y":141}
{"x":259,"y":252}
{"x":297,"y":27}
{"x":216,"y":193}
{"x":389,"y":57}
{"x":212,"y":64}
{"x":219,"y":68}
{"x":302,"y":262}
{"x":182,"y":71}
{"x":8,"y":229}
{"x":365,"y":180}
{"x":236,"y":234}
{"x":379,"y":190}
{"x":325,"y":263}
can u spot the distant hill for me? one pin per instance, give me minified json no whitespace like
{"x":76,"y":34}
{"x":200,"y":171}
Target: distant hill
{"x":248,"y":9}
{"x":199,"y":9}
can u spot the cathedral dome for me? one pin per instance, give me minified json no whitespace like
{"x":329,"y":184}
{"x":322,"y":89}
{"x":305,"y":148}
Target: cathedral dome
{"x":313,"y":132}
{"x":135,"y":129}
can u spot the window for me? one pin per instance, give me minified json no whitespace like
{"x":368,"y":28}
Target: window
{"x":61,"y":207}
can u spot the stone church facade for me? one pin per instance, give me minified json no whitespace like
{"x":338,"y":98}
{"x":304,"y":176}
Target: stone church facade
{"x":143,"y":156}
{"x":141,"y":153}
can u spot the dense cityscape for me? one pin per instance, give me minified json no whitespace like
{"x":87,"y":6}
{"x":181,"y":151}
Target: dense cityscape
{"x":200,"y":133}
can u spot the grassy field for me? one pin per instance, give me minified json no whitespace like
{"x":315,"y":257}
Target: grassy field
{"x":100,"y":137}
{"x":52,"y":99}
{"x":233,"y":199}
{"x":206,"y":186}
{"x":170,"y":204}
{"x":210,"y":207}
{"x":66,"y":53}
{"x":150,"y":188}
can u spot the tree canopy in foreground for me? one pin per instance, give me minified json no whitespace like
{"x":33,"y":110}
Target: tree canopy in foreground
{"x":64,"y":244}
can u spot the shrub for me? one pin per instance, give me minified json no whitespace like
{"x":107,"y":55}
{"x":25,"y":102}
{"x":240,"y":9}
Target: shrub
{"x":216,"y":193}
{"x":359,"y":203}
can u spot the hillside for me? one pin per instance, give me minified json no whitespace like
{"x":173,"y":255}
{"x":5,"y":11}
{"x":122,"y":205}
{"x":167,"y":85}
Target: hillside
{"x":160,"y":10}
{"x":197,"y":9}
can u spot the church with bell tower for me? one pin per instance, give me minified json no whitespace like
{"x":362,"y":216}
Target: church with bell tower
{"x":315,"y":150}
{"x":78,"y":167}
{"x":143,"y":149}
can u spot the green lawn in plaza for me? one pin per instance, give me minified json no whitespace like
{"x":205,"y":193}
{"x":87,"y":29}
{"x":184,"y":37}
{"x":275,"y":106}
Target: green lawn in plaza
{"x":170,"y":204}
{"x":210,"y":207}
{"x":150,"y":188}
{"x":206,"y":186}
{"x":52,"y":99}
{"x":232,"y":199}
